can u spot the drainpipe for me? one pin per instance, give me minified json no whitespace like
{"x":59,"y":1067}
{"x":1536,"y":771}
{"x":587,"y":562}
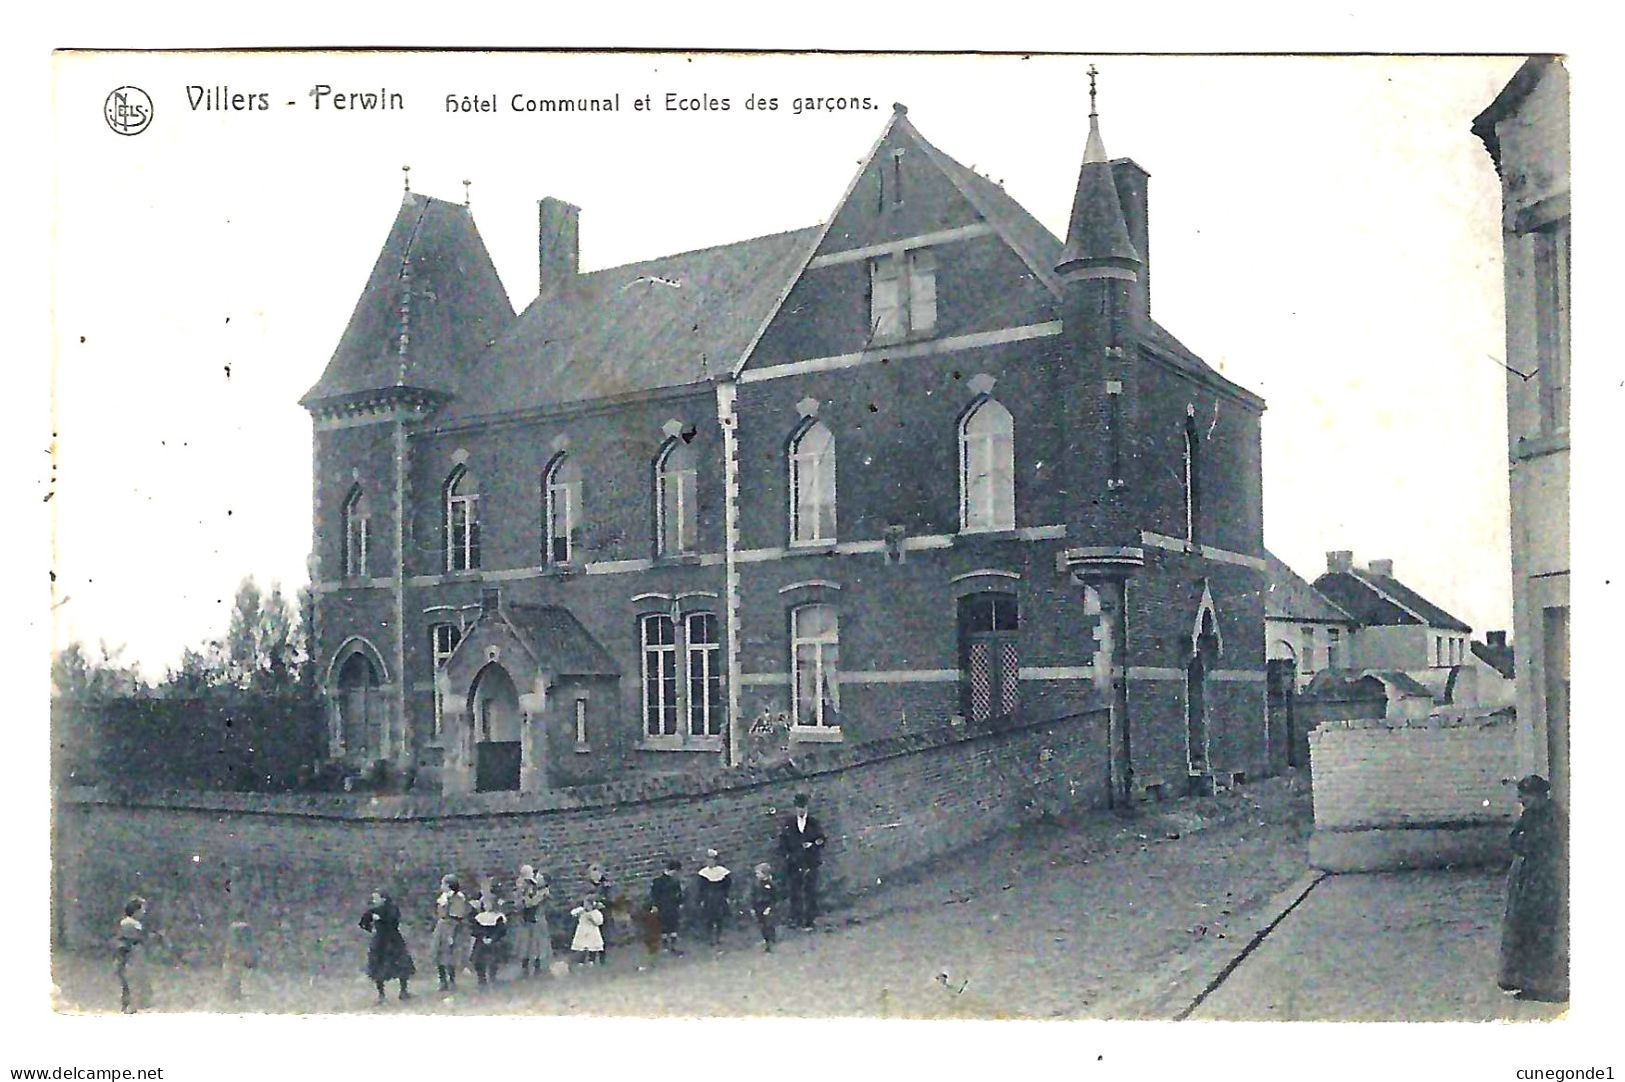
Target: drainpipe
{"x":728,"y":419}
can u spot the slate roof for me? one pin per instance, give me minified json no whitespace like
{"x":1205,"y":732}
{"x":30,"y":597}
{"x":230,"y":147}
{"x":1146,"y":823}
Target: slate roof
{"x":433,"y":285}
{"x":563,"y":647}
{"x":1500,"y":658}
{"x":1384,"y":601}
{"x":664,"y":322}
{"x":1290,"y":597}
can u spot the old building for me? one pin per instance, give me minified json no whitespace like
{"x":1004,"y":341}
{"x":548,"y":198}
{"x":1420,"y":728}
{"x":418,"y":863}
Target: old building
{"x":1304,"y":629}
{"x":921,"y":463}
{"x":1399,"y":628}
{"x":1526,"y":130}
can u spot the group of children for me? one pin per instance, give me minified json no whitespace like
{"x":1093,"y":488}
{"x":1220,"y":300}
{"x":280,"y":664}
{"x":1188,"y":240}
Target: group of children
{"x":495,"y":925}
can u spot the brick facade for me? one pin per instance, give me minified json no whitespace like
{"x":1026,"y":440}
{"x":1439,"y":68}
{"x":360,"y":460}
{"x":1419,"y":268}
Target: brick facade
{"x":1104,"y":405}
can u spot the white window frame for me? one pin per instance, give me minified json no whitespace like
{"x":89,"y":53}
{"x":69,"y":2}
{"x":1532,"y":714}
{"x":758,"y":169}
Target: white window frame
{"x":818,"y":467}
{"x":1550,"y":252}
{"x":903,"y":295}
{"x":663,"y":654}
{"x":979,"y":502}
{"x":1334,"y":647}
{"x":357,"y":523}
{"x":581,"y":724}
{"x":439,"y":657}
{"x":462,"y":552}
{"x":703,"y":659}
{"x":825,"y":649}
{"x":561,"y":506}
{"x":681,"y":482}
{"x":1192,"y":511}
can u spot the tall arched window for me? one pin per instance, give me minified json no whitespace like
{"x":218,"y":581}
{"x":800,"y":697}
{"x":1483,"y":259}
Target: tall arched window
{"x":812,"y":484}
{"x":356,"y":524}
{"x":1192,"y":479}
{"x":675,"y":477}
{"x":987,"y":468}
{"x":462,"y":507}
{"x":561,"y":509}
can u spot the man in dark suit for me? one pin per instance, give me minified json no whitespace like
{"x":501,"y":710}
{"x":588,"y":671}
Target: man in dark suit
{"x":801,"y":842}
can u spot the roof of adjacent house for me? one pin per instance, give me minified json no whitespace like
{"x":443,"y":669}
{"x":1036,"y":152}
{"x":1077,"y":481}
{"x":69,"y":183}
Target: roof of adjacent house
{"x":1290,"y":597}
{"x":563,"y":647}
{"x":1382,"y":600}
{"x":1500,"y":658}
{"x":432,"y":306}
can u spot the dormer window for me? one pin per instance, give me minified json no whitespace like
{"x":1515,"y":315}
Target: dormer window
{"x":903,"y":295}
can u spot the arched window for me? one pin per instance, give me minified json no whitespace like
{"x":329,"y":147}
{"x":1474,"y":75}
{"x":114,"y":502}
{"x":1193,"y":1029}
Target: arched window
{"x":987,"y":468}
{"x":812,"y":484}
{"x":462,"y":507}
{"x":816,"y":656}
{"x":675,"y":477}
{"x":361,"y":709}
{"x":561,"y":509}
{"x":356,"y":524}
{"x":1192,"y":479}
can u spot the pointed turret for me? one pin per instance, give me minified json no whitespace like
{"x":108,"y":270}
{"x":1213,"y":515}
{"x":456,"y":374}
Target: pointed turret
{"x":1097,"y":237}
{"x":431,"y":306}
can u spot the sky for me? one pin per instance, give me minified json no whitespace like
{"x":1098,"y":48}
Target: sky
{"x":1325,"y":231}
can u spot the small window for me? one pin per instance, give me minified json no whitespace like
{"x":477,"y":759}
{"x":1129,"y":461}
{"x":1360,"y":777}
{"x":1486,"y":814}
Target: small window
{"x":462,"y":527}
{"x":902,"y":295}
{"x":987,"y":468}
{"x":581,"y":724}
{"x":443,"y":640}
{"x":812,"y":484}
{"x":659,"y":635}
{"x":1306,"y":651}
{"x":815,"y":657}
{"x":704,"y":675}
{"x":676,"y":476}
{"x":561,"y":509}
{"x":1334,"y":648}
{"x":1192,"y":480}
{"x":1438,"y":649}
{"x":357,"y":523}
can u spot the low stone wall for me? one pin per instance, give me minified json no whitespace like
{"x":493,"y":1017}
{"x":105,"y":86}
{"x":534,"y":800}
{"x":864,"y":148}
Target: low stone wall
{"x":299,"y":866}
{"x":1398,"y":794}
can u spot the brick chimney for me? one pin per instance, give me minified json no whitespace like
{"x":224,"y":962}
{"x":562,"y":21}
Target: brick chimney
{"x":1132,"y":193}
{"x":1497,"y":639}
{"x":1340,"y":561}
{"x":557,"y":241}
{"x":1384,"y":568}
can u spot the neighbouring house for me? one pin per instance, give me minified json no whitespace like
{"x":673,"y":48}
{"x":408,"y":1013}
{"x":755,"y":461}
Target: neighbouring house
{"x":1304,"y":627}
{"x":1490,"y":676}
{"x":1526,"y":131}
{"x":1400,"y":630}
{"x":833,"y":483}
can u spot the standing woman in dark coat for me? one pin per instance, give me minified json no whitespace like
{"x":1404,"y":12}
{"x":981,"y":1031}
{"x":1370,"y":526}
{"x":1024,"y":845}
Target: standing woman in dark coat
{"x":387,"y":956}
{"x":1533,"y":962}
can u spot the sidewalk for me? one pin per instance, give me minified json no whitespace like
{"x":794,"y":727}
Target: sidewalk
{"x":1418,"y":946}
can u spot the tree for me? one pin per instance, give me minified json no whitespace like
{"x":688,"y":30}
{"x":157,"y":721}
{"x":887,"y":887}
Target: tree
{"x":263,"y":650}
{"x":75,"y":674}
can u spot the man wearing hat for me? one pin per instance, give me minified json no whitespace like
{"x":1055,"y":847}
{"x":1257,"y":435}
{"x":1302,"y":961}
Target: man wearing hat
{"x":1534,"y":963}
{"x":801,"y":842}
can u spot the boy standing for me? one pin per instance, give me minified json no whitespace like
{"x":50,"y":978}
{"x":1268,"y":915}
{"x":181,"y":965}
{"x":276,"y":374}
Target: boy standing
{"x":715,"y":883}
{"x":763,"y":902}
{"x":666,"y":901}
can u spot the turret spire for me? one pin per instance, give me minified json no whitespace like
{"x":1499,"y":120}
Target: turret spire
{"x":1097,"y":238}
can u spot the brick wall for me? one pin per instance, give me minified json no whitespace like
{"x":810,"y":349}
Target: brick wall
{"x":1371,"y":774}
{"x":300,"y":866}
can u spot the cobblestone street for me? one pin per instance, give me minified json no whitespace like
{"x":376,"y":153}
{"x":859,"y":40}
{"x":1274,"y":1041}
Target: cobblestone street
{"x":1096,"y":917}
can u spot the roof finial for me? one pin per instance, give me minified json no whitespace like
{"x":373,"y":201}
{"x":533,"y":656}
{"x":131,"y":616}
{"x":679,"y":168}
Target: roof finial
{"x":1092,"y":74}
{"x":466,"y":183}
{"x":406,"y":177}
{"x":1094,"y":149}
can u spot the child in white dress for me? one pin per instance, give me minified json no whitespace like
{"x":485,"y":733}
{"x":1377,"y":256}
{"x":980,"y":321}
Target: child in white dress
{"x":589,"y":938}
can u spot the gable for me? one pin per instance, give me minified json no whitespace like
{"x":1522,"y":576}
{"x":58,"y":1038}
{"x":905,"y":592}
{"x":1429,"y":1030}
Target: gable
{"x":906,"y":196}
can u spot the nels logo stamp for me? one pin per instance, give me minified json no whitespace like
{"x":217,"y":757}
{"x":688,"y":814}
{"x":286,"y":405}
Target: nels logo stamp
{"x":128,"y":110}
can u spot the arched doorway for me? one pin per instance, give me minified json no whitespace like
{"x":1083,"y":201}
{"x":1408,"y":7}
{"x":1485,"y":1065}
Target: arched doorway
{"x":361,"y":709}
{"x":493,"y":708}
{"x":1202,"y":660}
